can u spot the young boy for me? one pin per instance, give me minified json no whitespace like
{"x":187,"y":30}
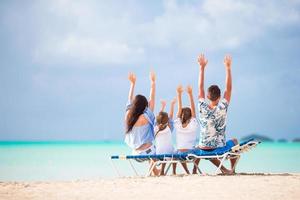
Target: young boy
{"x":213,"y":114}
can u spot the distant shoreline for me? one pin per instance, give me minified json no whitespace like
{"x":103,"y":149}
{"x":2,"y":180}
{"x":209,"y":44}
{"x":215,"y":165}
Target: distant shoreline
{"x":4,"y":142}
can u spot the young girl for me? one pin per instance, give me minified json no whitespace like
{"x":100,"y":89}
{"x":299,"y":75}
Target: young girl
{"x":186,"y":125}
{"x":163,"y":132}
{"x":140,"y":121}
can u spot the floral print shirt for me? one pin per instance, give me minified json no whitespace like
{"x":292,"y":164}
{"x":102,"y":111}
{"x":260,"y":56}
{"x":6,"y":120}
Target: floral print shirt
{"x":212,"y":124}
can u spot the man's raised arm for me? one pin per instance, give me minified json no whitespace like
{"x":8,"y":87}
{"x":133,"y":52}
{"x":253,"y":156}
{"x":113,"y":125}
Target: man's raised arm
{"x":227,"y":63}
{"x":202,"y":62}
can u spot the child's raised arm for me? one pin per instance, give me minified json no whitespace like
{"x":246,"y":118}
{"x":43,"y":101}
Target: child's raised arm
{"x":202,"y":62}
{"x":179,"y":106}
{"x":189,"y":90}
{"x":152,"y":91}
{"x":227,"y":63}
{"x":163,"y":105}
{"x":173,"y":102}
{"x":132,"y":79}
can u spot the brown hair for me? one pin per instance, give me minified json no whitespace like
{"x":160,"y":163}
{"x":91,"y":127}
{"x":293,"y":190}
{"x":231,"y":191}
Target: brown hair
{"x":185,"y":115}
{"x":139,"y":104}
{"x":162,"y":120}
{"x":214,"y":92}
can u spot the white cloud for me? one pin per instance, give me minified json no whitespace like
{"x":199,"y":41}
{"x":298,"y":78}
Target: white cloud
{"x":114,"y":33}
{"x":88,"y":50}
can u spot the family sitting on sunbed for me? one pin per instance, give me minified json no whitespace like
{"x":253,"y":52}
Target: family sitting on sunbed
{"x":148,"y":135}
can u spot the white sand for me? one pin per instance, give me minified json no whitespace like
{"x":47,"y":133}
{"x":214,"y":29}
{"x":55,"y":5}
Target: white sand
{"x":282,"y":186}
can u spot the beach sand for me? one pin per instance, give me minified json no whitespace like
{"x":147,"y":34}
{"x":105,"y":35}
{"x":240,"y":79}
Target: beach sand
{"x":241,"y":186}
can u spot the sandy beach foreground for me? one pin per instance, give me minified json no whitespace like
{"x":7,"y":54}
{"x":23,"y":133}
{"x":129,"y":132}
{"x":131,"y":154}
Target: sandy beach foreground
{"x":243,"y":186}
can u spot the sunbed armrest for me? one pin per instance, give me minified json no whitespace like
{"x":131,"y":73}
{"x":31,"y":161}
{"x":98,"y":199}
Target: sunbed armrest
{"x":236,"y":148}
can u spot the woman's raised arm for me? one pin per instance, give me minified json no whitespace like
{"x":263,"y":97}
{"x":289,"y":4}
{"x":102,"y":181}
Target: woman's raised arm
{"x":152,"y":91}
{"x":132,"y":79}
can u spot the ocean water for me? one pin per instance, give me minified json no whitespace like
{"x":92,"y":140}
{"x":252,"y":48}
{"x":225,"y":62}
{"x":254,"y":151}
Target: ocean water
{"x":47,"y":161}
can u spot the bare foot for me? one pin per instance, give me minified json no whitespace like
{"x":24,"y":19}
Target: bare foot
{"x":156,"y":172}
{"x":227,"y":172}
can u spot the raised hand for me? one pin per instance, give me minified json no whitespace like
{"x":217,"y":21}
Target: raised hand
{"x":179,"y":89}
{"x":152,"y":91}
{"x":152,"y":77}
{"x":227,"y":61}
{"x":228,"y":80}
{"x":171,"y":113}
{"x":179,"y":98}
{"x":189,"y":89}
{"x":202,"y":61}
{"x":163,"y":103}
{"x":173,"y":101}
{"x":132,"y":78}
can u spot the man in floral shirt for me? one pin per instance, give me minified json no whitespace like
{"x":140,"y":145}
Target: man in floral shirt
{"x":213,"y":113}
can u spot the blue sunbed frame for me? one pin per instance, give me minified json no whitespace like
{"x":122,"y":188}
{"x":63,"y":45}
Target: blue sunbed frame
{"x":221,"y":154}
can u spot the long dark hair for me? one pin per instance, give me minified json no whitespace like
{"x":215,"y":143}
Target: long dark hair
{"x":138,"y":106}
{"x":186,"y":114}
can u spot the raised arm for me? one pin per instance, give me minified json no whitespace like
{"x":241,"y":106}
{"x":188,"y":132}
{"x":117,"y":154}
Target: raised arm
{"x":202,"y":63}
{"x":173,"y":102}
{"x":152,"y":91}
{"x":227,"y":63}
{"x":179,"y":106}
{"x":189,"y":90}
{"x":132,"y":79}
{"x":163,"y":105}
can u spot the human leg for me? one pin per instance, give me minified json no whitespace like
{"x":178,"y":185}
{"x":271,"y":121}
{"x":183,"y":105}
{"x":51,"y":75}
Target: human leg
{"x":162,"y":170}
{"x":196,"y":163}
{"x":174,"y":168}
{"x":184,"y":165}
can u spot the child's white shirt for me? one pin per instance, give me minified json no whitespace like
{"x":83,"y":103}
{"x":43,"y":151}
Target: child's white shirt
{"x":186,"y":136}
{"x":163,"y":141}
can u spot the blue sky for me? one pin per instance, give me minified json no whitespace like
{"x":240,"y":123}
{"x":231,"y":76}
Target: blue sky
{"x":64,"y":64}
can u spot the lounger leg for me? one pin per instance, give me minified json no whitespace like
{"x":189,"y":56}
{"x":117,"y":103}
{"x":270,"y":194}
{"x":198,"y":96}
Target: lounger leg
{"x":153,"y":164}
{"x":133,"y":168}
{"x":115,"y":168}
{"x":197,"y":166}
{"x":168,"y":168}
{"x":184,"y":166}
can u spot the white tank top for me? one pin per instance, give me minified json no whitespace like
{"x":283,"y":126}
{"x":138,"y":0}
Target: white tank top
{"x":186,"y":137}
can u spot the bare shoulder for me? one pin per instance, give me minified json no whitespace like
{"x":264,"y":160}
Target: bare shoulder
{"x":141,"y":121}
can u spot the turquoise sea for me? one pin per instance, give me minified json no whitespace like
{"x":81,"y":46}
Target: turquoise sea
{"x":43,"y":161}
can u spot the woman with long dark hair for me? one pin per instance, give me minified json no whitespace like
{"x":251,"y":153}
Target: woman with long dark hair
{"x":140,"y":120}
